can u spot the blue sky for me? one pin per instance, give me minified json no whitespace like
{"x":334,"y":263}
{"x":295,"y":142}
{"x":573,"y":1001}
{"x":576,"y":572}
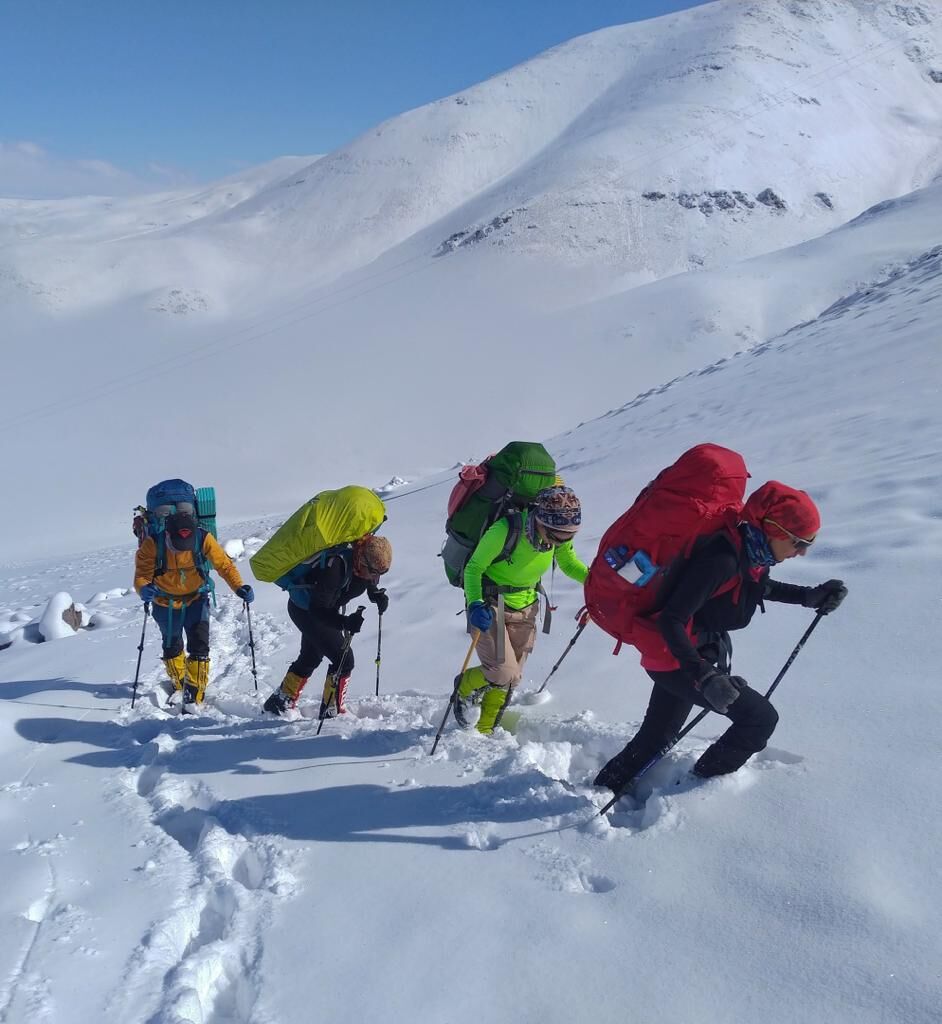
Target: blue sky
{"x":177,"y":89}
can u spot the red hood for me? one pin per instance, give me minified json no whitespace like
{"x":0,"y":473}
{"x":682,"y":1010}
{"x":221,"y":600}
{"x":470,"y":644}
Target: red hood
{"x":787,"y":506}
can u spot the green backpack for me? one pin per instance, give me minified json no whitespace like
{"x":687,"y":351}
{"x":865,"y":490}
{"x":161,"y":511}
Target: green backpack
{"x":502,"y":484}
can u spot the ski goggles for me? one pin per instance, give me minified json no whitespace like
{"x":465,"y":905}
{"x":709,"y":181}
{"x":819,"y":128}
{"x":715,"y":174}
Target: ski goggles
{"x":163,"y":511}
{"x":799,"y":543}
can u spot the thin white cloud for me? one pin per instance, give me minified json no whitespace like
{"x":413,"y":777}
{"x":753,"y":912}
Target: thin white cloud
{"x":28,"y":171}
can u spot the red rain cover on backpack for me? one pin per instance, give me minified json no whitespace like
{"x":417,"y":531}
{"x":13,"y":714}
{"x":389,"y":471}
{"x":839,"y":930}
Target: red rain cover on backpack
{"x":700,"y":493}
{"x":470,"y":479}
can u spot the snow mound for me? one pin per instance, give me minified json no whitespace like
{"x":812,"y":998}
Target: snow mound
{"x":234,"y":548}
{"x":60,"y":618}
{"x":393,"y":484}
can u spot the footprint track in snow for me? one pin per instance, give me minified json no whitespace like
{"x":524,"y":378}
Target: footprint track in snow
{"x":200,"y":961}
{"x":565,"y":873}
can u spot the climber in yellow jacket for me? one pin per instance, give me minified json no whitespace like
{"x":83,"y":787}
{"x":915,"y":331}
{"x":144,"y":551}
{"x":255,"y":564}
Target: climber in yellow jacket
{"x":172,"y":574}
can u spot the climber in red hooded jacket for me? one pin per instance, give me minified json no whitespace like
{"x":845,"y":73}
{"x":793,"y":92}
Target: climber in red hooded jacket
{"x":715,"y":590}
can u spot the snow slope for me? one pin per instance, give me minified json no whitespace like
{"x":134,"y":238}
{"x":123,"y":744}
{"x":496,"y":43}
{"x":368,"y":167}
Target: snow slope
{"x":231,"y":868}
{"x":71,"y":254}
{"x":383,"y":306}
{"x":727,"y":309}
{"x":398,"y":374}
{"x":106,"y":219}
{"x":708,"y":135}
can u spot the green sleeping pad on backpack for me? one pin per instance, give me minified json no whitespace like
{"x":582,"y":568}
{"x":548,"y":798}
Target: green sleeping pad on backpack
{"x":206,"y":509}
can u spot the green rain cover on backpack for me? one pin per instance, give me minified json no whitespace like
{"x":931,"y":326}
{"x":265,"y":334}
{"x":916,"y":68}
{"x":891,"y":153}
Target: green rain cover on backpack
{"x":515,"y":475}
{"x":328,"y":519}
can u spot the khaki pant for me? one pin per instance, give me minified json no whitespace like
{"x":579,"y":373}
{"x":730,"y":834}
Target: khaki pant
{"x":519,"y":638}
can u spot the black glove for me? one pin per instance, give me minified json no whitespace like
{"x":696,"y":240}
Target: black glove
{"x":720,"y":690}
{"x":246,"y":593}
{"x":353,"y":623}
{"x":381,"y":599}
{"x":825,"y":597}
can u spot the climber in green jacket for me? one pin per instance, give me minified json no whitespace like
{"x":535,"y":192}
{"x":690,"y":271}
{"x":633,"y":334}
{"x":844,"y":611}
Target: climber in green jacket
{"x":546,"y":531}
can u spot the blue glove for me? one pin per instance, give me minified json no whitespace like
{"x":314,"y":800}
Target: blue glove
{"x":246,"y":593}
{"x":480,"y":616}
{"x":149,"y":592}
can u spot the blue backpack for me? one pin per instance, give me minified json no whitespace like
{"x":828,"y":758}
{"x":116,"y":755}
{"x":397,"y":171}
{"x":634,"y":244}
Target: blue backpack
{"x":165,"y":498}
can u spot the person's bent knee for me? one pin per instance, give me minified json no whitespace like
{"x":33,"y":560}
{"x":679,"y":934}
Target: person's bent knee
{"x":503,"y":676}
{"x":758,"y":714}
{"x":765,"y":716}
{"x":753,"y":709}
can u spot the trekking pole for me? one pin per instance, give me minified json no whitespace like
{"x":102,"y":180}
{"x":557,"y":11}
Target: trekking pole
{"x":140,"y":652}
{"x":584,"y":620}
{"x":325,"y":704}
{"x":248,"y":619}
{"x":379,"y":649}
{"x":475,"y":636}
{"x":630,"y":784}
{"x":794,"y":654}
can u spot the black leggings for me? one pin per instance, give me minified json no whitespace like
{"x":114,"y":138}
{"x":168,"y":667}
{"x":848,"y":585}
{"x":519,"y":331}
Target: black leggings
{"x":672,"y":699}
{"x":318,"y":641}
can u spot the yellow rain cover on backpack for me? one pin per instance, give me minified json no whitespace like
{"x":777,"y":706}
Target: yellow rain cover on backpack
{"x":328,"y":519}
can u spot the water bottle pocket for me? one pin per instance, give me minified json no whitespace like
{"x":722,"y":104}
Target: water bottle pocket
{"x":635,"y":567}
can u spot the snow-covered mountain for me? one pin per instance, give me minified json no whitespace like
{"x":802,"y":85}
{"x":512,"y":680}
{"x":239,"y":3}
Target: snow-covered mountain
{"x":508,"y":260}
{"x":106,"y":219}
{"x":231,"y":868}
{"x":643,"y":150}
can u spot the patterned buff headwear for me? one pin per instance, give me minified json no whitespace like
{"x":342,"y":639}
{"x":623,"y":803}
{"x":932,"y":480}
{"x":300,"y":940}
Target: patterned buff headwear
{"x":558,"y":508}
{"x":757,"y":546}
{"x":372,"y":556}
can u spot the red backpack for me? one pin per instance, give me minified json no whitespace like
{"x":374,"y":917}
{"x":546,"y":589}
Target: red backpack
{"x":470,"y":479}
{"x":702,"y":492}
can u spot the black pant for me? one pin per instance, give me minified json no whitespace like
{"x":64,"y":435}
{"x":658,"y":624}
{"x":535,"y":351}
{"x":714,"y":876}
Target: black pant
{"x":318,"y":641}
{"x":672,"y":698}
